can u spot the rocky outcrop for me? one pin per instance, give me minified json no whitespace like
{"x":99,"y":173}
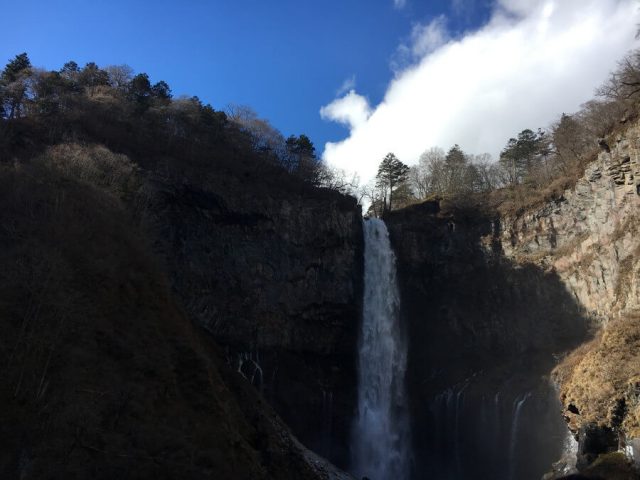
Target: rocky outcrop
{"x":275,"y":275}
{"x":590,"y":236}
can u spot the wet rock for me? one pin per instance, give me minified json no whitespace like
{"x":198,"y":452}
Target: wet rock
{"x":593,"y":441}
{"x":483,"y":329}
{"x":632,"y":450}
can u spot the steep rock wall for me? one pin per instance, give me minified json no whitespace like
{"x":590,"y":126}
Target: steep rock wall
{"x":275,"y":275}
{"x":503,"y":298}
{"x":484,"y":334}
{"x":591,"y":239}
{"x":590,"y":236}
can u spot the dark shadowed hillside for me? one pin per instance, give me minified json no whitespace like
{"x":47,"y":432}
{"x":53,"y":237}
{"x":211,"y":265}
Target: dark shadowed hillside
{"x":106,"y":370}
{"x":103,"y":376}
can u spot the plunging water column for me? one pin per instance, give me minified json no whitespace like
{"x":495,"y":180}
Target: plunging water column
{"x":381,"y":431}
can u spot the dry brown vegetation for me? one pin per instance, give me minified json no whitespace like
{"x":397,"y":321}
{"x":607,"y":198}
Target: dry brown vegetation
{"x":93,"y":164}
{"x":181,"y":139}
{"x":611,"y":466}
{"x":602,"y":378}
{"x":626,"y":276}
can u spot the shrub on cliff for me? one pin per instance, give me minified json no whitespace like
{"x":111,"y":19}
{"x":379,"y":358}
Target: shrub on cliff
{"x":600,"y":382}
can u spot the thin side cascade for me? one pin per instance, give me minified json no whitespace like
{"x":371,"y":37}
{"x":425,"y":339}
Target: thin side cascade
{"x":518,"y":404}
{"x":381,"y":431}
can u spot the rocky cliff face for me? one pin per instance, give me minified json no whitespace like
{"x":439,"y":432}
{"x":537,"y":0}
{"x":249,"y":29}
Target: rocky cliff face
{"x":484,"y":331}
{"x":275,"y":275}
{"x":103,"y":374}
{"x":589,"y":237}
{"x":496,"y":300}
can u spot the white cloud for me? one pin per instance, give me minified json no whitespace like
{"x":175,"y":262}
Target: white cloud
{"x":427,"y":38}
{"x":423,"y":40}
{"x":348,"y":84}
{"x":352,"y":110}
{"x":532,"y":61}
{"x":399,"y":3}
{"x":462,"y":7}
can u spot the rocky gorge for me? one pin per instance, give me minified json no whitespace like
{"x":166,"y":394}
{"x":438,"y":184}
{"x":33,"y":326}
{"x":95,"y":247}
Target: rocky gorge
{"x":503,"y":311}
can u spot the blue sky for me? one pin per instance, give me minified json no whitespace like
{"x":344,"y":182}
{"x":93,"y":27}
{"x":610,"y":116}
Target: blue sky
{"x":283,"y":58}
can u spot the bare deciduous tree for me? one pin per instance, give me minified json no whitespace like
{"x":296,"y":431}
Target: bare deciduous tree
{"x":119,"y":75}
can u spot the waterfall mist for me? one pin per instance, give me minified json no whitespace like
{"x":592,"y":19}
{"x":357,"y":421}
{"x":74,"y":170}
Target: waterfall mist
{"x":381,"y":440}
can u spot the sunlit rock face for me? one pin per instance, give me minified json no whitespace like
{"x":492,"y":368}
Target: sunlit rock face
{"x":591,"y":236}
{"x":275,"y":274}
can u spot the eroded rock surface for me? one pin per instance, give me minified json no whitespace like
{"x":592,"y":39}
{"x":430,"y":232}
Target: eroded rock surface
{"x":590,"y":237}
{"x":484,"y":332}
{"x":276,"y":276}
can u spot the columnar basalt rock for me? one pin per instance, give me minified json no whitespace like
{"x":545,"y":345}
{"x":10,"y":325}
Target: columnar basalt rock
{"x":590,"y":236}
{"x":276,"y":277}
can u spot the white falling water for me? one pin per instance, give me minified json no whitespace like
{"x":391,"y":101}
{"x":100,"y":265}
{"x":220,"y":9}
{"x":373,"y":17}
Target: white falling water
{"x":518,"y":404}
{"x":381,"y":433}
{"x":567,"y":462}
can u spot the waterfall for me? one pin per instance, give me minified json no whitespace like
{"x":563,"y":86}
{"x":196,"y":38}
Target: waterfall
{"x":570,"y":453}
{"x":249,"y":367}
{"x":381,"y":431}
{"x":518,"y":404}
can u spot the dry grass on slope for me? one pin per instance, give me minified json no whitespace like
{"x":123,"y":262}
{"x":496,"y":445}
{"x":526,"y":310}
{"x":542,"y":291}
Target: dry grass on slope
{"x":602,"y":379}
